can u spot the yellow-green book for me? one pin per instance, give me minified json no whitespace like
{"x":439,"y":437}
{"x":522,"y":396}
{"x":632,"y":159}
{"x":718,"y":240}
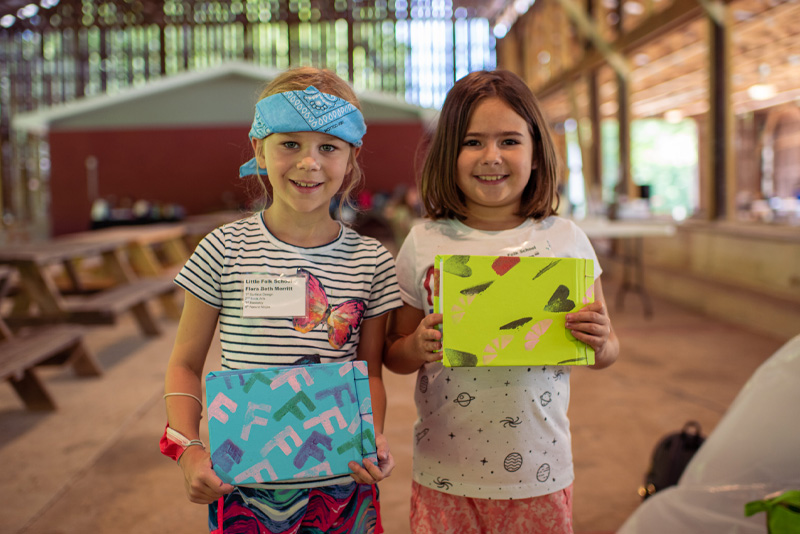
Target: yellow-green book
{"x":505,"y":311}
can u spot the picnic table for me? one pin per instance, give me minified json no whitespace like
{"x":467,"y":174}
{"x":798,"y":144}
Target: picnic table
{"x":41,"y":300}
{"x":53,"y":345}
{"x":152,"y":250}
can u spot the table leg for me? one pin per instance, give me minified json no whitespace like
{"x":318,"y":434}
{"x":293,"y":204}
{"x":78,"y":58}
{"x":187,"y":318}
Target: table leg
{"x":176,"y":251}
{"x":41,"y":289}
{"x":147,"y":322}
{"x":118,"y":267}
{"x":32,"y":391}
{"x":144,"y":260}
{"x":74,"y":277}
{"x":632,"y":256}
{"x":84,"y":362}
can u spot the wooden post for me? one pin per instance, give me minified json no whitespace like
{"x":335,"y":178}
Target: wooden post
{"x":595,"y":163}
{"x":350,"y":44}
{"x":720,"y":189}
{"x":624,"y":179}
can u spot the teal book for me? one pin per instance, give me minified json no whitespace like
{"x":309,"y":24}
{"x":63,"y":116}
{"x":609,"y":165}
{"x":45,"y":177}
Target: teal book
{"x":510,"y":311}
{"x":287,"y":423}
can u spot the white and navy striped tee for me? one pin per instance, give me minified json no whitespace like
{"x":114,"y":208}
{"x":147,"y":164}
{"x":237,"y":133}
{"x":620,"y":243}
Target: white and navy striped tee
{"x":351,"y":268}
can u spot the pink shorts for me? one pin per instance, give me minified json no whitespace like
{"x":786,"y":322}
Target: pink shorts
{"x":434,"y":512}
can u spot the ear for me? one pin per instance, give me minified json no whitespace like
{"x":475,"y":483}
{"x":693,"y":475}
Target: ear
{"x":258,"y":148}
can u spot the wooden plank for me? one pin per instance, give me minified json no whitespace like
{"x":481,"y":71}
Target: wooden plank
{"x":104,"y":307}
{"x":54,"y":251}
{"x":49,"y":346}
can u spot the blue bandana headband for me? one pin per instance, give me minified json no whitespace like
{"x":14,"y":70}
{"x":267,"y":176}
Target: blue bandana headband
{"x":304,"y":111}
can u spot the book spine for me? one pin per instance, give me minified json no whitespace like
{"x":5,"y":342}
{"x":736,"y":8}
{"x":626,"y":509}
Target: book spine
{"x":588,"y":280}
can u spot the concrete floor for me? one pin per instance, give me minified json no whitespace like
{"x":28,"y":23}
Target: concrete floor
{"x":94,"y":465}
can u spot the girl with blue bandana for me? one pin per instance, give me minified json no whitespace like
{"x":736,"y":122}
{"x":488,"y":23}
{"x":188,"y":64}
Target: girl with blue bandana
{"x":306,"y":136}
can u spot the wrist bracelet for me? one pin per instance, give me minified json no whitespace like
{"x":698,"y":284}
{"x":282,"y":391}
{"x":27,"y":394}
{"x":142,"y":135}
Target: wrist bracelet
{"x":173,"y":444}
{"x":192,"y":442}
{"x":195,"y":397}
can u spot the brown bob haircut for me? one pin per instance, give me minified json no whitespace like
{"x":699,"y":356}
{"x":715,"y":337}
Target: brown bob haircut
{"x":438,"y":187}
{"x":298,"y":79}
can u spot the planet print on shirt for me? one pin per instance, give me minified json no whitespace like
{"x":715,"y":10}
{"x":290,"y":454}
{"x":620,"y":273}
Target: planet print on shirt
{"x":546,"y":398}
{"x":464,"y":399}
{"x":423,"y":384}
{"x":543,"y":473}
{"x":513,"y":462}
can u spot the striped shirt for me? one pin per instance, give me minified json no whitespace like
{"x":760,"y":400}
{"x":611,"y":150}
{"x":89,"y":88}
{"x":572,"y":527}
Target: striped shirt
{"x":353,"y":272}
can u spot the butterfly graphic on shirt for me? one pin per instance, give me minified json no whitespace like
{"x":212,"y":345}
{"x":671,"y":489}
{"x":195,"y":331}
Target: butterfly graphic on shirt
{"x":341,"y":319}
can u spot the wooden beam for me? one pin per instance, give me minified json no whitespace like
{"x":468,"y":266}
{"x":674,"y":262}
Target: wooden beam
{"x":677,"y":14}
{"x":590,"y":31}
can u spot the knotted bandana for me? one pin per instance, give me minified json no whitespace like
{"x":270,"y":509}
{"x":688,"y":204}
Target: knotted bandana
{"x":304,"y":111}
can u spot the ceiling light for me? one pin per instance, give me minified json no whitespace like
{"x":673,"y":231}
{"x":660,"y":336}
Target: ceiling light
{"x":521,"y":6}
{"x":544,"y":57}
{"x":28,"y":11}
{"x":7,"y":21}
{"x":633,"y":8}
{"x":673,"y":116}
{"x":761,"y":91}
{"x":500,"y":30}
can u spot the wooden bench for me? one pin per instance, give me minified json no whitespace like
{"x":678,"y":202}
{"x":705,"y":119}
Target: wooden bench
{"x":105,"y":306}
{"x":21,"y":354}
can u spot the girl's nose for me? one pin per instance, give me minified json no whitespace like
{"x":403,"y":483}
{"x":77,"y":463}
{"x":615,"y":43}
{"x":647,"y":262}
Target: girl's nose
{"x":491,"y":155}
{"x":308,"y":164}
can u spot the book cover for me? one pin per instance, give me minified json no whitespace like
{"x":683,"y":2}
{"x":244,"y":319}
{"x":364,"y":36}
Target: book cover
{"x":286,"y":423}
{"x":507,"y":311}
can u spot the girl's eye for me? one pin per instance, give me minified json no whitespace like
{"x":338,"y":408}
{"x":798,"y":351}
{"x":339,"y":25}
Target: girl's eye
{"x":471,"y":142}
{"x":327,"y":148}
{"x":290,"y":144}
{"x":510,"y":142}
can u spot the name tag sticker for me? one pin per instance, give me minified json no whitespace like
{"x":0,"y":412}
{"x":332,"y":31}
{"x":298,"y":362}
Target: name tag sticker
{"x":273,"y":296}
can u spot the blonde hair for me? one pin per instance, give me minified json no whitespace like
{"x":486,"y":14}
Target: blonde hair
{"x":298,"y":79}
{"x":438,"y":186}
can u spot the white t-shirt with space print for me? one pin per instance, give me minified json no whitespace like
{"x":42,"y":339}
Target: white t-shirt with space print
{"x":500,"y":432}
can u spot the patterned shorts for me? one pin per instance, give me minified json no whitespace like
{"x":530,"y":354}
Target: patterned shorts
{"x":342,"y":509}
{"x":434,"y":512}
